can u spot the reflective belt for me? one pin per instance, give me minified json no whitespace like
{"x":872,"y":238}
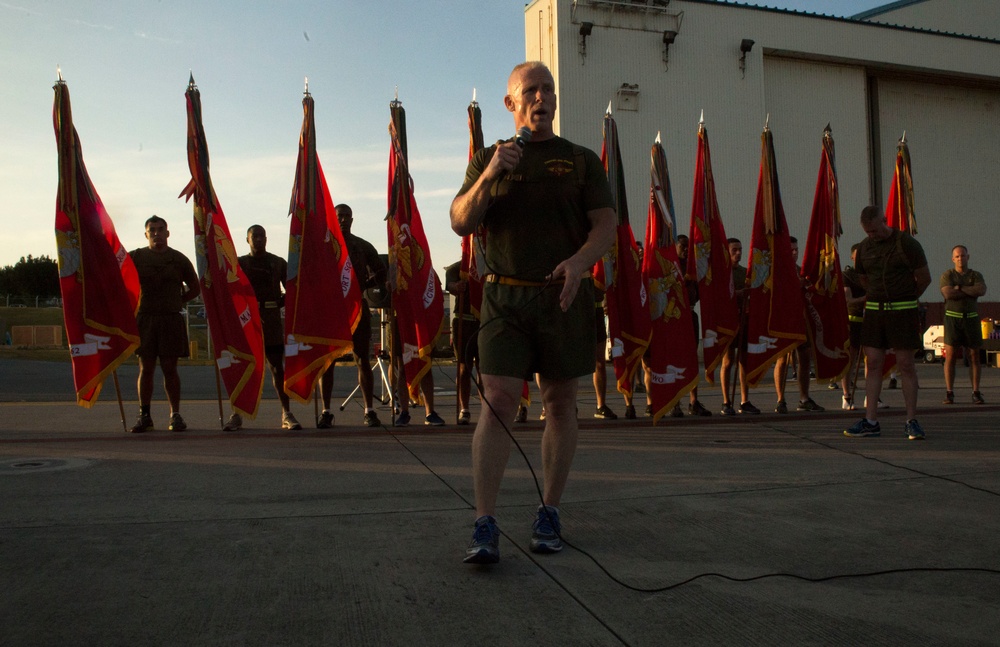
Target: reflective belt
{"x":268,"y":304}
{"x":510,"y":280}
{"x":961,"y":315}
{"x":890,"y":305}
{"x":855,"y":318}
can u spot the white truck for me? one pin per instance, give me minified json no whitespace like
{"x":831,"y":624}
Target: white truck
{"x":933,"y":344}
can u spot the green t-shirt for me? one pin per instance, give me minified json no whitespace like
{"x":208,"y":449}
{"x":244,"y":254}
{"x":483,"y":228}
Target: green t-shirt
{"x":537,"y":217}
{"x":889,"y":265}
{"x":966,"y":279}
{"x":857,"y":290}
{"x":739,"y":277}
{"x":162,"y":276}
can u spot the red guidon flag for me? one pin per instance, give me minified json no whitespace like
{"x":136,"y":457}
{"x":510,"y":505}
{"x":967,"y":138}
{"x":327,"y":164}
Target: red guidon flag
{"x":899,"y":214}
{"x":826,"y":305}
{"x":775,"y":318}
{"x":619,"y":274}
{"x":709,"y":263}
{"x":673,"y":351}
{"x":474,"y":243}
{"x":99,"y":284}
{"x":230,"y":302}
{"x":322,"y":297}
{"x":416,"y":290}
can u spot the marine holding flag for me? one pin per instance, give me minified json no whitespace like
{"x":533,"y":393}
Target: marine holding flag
{"x":168,"y":281}
{"x":548,"y":210}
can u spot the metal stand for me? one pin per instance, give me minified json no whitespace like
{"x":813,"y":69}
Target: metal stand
{"x":380,"y":365}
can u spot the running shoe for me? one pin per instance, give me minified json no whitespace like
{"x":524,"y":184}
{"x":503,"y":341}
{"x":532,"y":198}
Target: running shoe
{"x":676,"y":411}
{"x":863,"y":428}
{"x":522,"y":414}
{"x":781,"y":407}
{"x":403,"y":419}
{"x":977,"y":398}
{"x":748,"y":408}
{"x":809,"y":405}
{"x":541,"y":416}
{"x":696,"y":408}
{"x":485,"y":545}
{"x":289,"y":422}
{"x":606,"y":413}
{"x":142,"y":425}
{"x":630,"y":412}
{"x":913,"y":430}
{"x":465,"y":417}
{"x":949,"y":397}
{"x":727,"y":409}
{"x":832,"y":386}
{"x":235,"y":423}
{"x":545,"y":531}
{"x":371,"y":419}
{"x":177,"y":423}
{"x":325,"y":420}
{"x":433,"y":419}
{"x":649,"y":411}
{"x":892,"y":383}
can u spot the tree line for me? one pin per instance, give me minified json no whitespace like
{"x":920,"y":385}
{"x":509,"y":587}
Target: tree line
{"x":31,"y":276}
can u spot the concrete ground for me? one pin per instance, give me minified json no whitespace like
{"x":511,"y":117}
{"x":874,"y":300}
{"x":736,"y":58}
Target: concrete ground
{"x":355,"y":536}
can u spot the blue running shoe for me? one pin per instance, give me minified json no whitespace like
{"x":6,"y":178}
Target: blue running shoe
{"x":863,"y":428}
{"x":545,"y":531}
{"x":485,"y":546}
{"x":403,"y":419}
{"x":913,"y":430}
{"x":434,"y":419}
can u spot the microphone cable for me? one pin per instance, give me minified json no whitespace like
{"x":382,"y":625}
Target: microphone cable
{"x":710,"y":574}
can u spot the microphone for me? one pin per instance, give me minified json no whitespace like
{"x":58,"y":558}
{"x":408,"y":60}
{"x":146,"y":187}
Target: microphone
{"x":522,"y":136}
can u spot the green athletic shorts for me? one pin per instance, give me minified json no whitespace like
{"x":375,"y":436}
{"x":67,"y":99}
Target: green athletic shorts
{"x":523,"y":331}
{"x":963,"y":331}
{"x":162,"y":336}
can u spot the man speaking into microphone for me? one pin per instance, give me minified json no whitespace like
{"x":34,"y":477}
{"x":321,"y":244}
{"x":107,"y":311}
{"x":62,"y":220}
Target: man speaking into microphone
{"x":548,"y":215}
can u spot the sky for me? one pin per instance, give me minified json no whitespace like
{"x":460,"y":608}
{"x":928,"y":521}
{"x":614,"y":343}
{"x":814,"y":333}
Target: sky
{"x":127,"y":63}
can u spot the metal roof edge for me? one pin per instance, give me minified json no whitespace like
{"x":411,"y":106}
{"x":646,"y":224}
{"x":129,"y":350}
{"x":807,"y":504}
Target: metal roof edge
{"x":847,"y":19}
{"x":891,"y":6}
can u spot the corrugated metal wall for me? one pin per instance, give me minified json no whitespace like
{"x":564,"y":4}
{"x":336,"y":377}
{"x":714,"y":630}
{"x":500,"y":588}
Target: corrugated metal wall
{"x":953,"y":134}
{"x":802,"y":97}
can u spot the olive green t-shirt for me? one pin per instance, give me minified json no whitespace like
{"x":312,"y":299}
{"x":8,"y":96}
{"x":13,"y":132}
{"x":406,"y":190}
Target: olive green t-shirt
{"x":537,"y":216}
{"x":889,"y":265}
{"x":739,"y":277}
{"x":857,"y":290}
{"x":162,"y":276}
{"x":968,"y":278}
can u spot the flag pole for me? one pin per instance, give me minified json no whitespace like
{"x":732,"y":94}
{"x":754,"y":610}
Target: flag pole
{"x":316,"y":395}
{"x":459,"y":355}
{"x":218,"y":377}
{"x":118,"y":392}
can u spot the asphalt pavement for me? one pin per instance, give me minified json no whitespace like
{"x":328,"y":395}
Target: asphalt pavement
{"x":746,"y":530}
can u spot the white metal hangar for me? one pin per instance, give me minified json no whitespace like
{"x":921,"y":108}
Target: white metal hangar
{"x":930,"y":68}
